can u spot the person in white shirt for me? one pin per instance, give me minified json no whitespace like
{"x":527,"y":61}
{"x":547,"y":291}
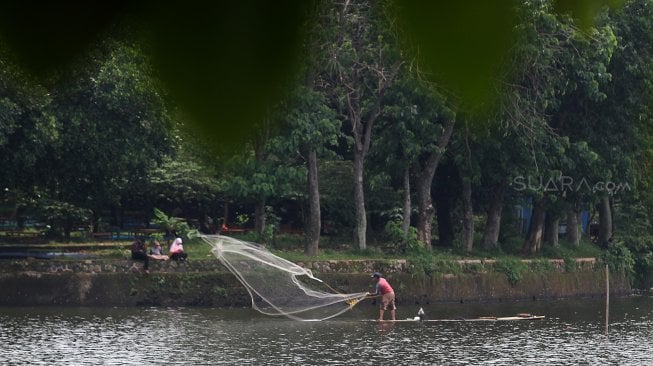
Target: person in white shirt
{"x":156,"y":252}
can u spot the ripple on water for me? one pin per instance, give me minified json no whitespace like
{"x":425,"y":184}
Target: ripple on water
{"x":572,"y":334}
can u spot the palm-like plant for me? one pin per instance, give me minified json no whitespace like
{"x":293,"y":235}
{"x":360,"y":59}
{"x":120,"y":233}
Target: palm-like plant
{"x":174,"y":225}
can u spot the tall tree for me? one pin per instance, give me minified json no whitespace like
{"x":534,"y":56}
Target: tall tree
{"x":619,"y":124}
{"x":363,"y":64}
{"x":266,"y":170}
{"x":469,"y":175}
{"x":555,"y":65}
{"x":313,"y":127}
{"x":312,"y":123}
{"x":425,"y":168}
{"x":183,"y":184}
{"x":501,"y":158}
{"x":116,"y":127}
{"x":255,"y":179}
{"x":413,"y":134}
{"x":28,"y":127}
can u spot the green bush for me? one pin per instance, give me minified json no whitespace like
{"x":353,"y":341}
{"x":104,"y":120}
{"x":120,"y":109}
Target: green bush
{"x":565,"y":250}
{"x":512,"y":268}
{"x":395,"y":234}
{"x":175,"y":224}
{"x":570,"y":263}
{"x":445,"y":266}
{"x":426,"y":263}
{"x":619,"y":259}
{"x":272,"y":222}
{"x":542,"y":265}
{"x":421,"y":265}
{"x":636,"y":221}
{"x":219,"y":291}
{"x":473,"y":268}
{"x":641,"y":248}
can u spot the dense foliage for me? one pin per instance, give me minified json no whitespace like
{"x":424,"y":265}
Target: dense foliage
{"x":381,"y":135}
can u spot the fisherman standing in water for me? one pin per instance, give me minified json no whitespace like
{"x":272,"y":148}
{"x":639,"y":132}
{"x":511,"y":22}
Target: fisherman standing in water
{"x":387,"y":294}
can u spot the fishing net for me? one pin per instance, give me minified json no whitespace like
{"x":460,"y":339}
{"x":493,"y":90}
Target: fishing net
{"x":277,"y":286}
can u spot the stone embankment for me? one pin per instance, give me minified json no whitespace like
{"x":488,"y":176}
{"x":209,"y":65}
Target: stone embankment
{"x":206,"y":282}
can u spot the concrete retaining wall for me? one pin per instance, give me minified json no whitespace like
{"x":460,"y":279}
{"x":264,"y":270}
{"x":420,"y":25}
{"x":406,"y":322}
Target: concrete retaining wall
{"x":207,"y":283}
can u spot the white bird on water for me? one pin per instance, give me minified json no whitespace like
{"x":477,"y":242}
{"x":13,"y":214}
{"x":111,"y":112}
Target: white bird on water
{"x":420,"y":315}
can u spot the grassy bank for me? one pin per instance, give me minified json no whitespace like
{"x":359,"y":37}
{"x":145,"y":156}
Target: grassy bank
{"x":291,"y":247}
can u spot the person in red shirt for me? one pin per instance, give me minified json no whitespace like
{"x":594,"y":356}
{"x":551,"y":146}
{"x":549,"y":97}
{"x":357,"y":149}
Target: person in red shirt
{"x":387,"y":294}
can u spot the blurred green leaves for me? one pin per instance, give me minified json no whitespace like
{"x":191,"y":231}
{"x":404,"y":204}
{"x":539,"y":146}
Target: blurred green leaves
{"x":46,"y":35}
{"x":461,"y":44}
{"x":227,"y":63}
{"x":224,"y":63}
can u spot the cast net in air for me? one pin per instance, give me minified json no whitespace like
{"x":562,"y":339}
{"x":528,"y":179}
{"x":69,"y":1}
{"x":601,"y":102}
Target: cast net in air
{"x":277,"y":286}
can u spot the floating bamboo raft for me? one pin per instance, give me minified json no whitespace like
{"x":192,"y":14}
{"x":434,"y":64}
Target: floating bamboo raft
{"x":479,"y":319}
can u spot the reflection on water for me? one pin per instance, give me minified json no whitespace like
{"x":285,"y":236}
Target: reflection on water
{"x":571,"y":334}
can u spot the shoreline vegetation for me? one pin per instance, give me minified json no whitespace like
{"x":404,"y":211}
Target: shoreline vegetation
{"x":106,"y":275}
{"x":202,"y":282}
{"x":290,"y":247}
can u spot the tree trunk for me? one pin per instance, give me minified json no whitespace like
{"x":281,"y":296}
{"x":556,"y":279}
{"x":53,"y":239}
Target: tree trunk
{"x":259,"y":219}
{"x":605,"y":222}
{"x":467,"y":237}
{"x":573,"y":231}
{"x":425,"y":212}
{"x":314,"y":216}
{"x":424,"y":183}
{"x":534,"y":239}
{"x":359,"y":202}
{"x":551,"y":230}
{"x":493,"y":222}
{"x":405,"y":223}
{"x":363,"y":97}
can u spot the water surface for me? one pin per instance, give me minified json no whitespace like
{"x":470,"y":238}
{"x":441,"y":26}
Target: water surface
{"x":571,"y":334}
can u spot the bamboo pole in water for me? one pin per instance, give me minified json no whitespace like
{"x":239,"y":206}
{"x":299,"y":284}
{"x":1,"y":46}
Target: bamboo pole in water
{"x":607,"y":298}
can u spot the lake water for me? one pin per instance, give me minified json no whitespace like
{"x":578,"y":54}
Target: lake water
{"x":571,"y":334}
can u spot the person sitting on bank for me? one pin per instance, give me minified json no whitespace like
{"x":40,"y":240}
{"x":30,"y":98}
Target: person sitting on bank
{"x":139,"y":252}
{"x":156,"y":252}
{"x":383,"y":289}
{"x":177,"y":250}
